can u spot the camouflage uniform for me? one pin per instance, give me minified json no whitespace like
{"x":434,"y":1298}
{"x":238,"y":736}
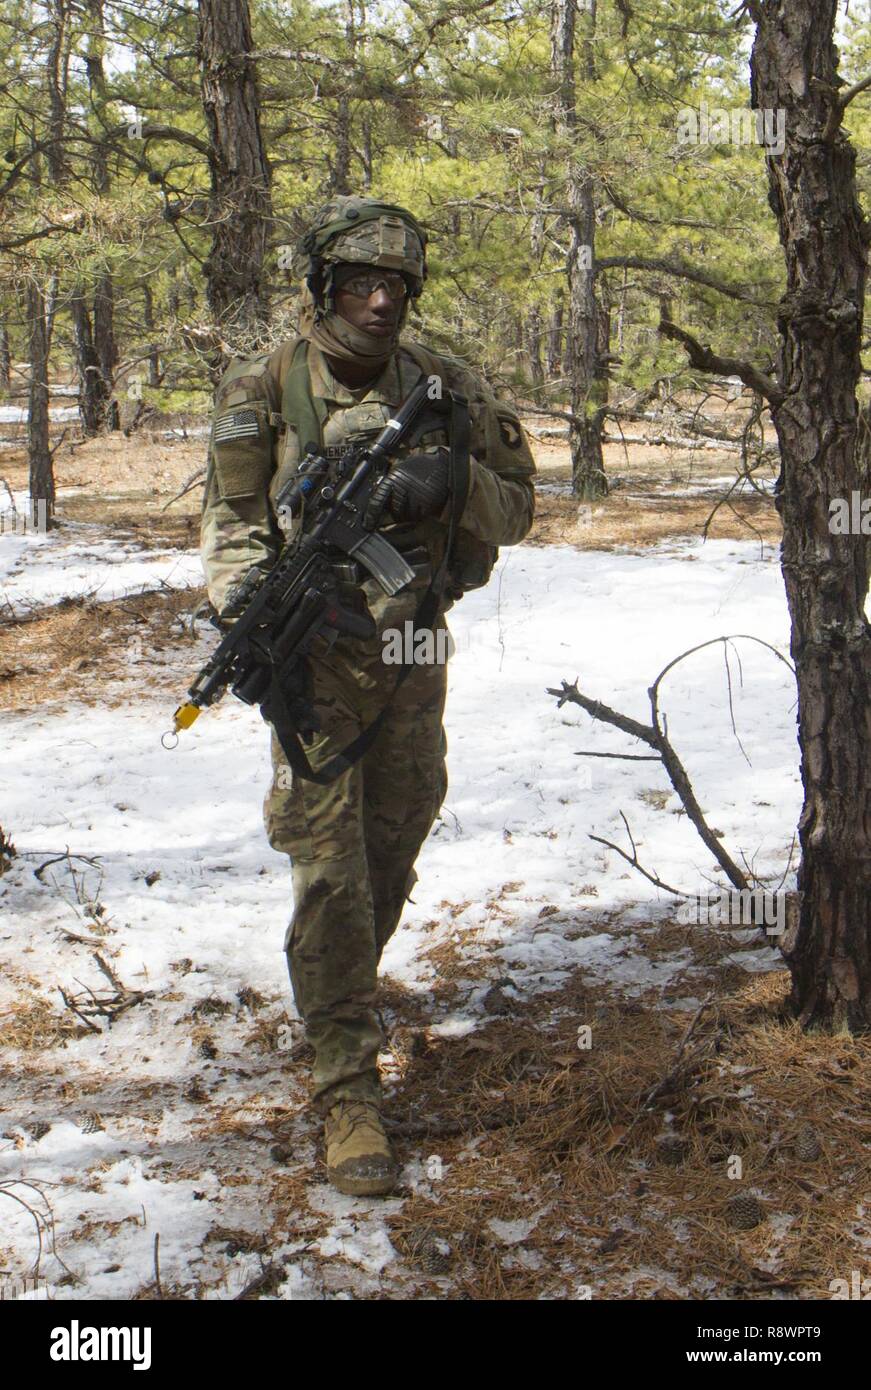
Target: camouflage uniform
{"x":353,"y":843}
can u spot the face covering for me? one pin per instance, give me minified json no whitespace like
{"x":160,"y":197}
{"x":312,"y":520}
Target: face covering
{"x":338,"y":338}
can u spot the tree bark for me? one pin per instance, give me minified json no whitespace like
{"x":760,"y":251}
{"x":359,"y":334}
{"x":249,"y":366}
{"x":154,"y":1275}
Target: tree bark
{"x":340,"y":165}
{"x":554,"y":343}
{"x":56,"y":69}
{"x":104,"y":293}
{"x":812,"y":190}
{"x":154,"y":377}
{"x":92,"y":401}
{"x":533,"y":334}
{"x":104,"y":341}
{"x":39,"y":457}
{"x":582,"y":330}
{"x":240,"y":201}
{"x":5,"y":359}
{"x":533,"y":327}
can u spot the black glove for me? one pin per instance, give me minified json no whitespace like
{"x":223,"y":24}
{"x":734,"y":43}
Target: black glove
{"x":414,"y":487}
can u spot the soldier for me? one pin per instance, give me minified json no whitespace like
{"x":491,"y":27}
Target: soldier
{"x":353,"y":843}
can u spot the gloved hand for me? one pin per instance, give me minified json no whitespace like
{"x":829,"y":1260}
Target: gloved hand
{"x":414,"y":487}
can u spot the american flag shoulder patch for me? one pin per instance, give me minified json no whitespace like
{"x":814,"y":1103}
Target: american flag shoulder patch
{"x":237,"y":424}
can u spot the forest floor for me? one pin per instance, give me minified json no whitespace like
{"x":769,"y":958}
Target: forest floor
{"x":164,"y":1093}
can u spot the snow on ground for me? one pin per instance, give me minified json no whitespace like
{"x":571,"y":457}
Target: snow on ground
{"x":196,"y":902}
{"x":722,"y":486}
{"x":40,"y":568}
{"x":18,"y":414}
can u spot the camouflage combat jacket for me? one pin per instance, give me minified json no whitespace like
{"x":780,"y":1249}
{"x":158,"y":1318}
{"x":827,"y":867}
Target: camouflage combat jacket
{"x":253,"y":452}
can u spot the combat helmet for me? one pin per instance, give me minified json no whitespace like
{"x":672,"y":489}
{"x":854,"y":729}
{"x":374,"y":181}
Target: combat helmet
{"x":364,"y":231}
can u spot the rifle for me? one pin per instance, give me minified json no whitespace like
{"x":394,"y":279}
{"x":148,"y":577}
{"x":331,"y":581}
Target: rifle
{"x":281,"y":611}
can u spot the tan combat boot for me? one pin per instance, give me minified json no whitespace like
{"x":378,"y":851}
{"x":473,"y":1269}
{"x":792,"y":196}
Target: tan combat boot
{"x":359,"y":1161}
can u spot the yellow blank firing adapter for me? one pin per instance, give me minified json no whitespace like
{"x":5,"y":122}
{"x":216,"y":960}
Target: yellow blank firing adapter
{"x":184,"y":717}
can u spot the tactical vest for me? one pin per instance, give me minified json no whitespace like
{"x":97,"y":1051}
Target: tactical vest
{"x":471,"y":561}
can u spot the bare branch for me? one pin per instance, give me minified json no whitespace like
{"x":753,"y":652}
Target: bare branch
{"x":707,"y":361}
{"x":682,"y":272}
{"x":633,"y":860}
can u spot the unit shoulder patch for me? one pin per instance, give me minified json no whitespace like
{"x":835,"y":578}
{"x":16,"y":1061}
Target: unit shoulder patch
{"x":509,"y":431}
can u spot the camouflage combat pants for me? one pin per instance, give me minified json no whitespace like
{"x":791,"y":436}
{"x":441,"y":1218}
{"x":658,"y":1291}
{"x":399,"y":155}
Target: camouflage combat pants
{"x":353,"y":845}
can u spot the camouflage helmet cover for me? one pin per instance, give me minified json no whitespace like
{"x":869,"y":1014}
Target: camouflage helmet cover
{"x":367,"y":232}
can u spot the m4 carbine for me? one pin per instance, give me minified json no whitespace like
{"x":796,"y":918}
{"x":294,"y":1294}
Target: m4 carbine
{"x":282,"y":610}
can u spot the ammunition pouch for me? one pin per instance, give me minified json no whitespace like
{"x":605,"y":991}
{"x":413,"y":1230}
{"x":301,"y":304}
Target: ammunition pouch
{"x":471,"y":564}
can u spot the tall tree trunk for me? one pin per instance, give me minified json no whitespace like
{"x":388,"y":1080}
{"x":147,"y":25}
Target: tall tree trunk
{"x":148,"y":319}
{"x":240,"y":201}
{"x":107,"y":353}
{"x":366,"y":152}
{"x":554,"y":343}
{"x":621,"y":311}
{"x":104,"y":294}
{"x":340,"y":164}
{"x":92,"y":401}
{"x":56,"y":69}
{"x":533,"y":333}
{"x":42,"y":299}
{"x":5,"y":359}
{"x":38,"y":451}
{"x":812,"y":189}
{"x":582,"y":330}
{"x":533,"y":329}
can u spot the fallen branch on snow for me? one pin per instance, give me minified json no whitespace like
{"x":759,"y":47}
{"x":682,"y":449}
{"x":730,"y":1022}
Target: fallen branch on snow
{"x":656,"y":737}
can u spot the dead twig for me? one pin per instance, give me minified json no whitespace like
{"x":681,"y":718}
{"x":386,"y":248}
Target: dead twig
{"x":157,"y":1283}
{"x":108,"y":1006}
{"x":626,"y":757}
{"x":59,"y":858}
{"x":74,"y":1009}
{"x":655,"y":735}
{"x":646,"y":1102}
{"x":633,"y":860}
{"x":189,"y":486}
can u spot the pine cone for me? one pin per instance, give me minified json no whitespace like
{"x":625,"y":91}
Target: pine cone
{"x":807,"y":1146}
{"x":671,"y":1150}
{"x":744,"y":1211}
{"x":495,"y":1001}
{"x":430,"y":1251}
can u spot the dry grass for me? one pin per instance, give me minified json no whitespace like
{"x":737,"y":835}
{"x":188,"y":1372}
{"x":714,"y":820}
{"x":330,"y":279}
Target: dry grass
{"x":80,"y":649}
{"x":147,"y":466}
{"x":527,"y":1127}
{"x":32,"y":1025}
{"x":633,"y":521}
